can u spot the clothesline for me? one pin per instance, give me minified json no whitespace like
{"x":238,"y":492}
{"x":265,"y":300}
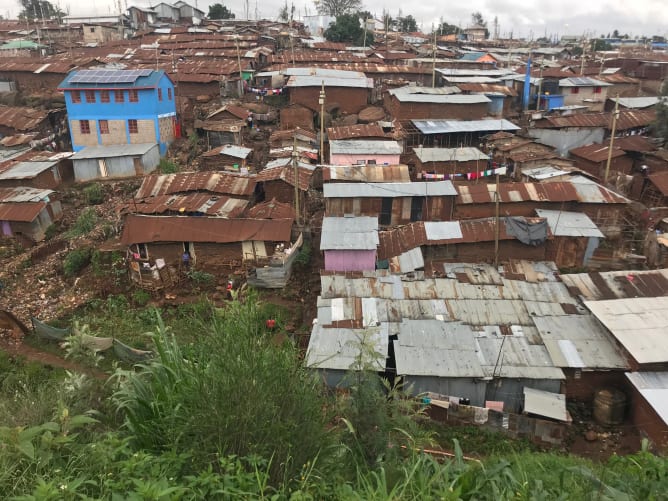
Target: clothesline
{"x":263,"y":91}
{"x":500,"y":171}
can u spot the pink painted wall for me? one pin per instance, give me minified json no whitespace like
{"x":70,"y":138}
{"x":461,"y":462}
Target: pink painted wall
{"x":353,"y":159}
{"x":350,"y":260}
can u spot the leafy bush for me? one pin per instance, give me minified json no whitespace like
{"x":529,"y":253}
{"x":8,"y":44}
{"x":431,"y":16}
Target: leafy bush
{"x":167,"y":166}
{"x":75,"y":261}
{"x":201,"y":278}
{"x":84,"y":224}
{"x":140,"y":297}
{"x":51,"y":232}
{"x":232,"y":392}
{"x":94,"y":194}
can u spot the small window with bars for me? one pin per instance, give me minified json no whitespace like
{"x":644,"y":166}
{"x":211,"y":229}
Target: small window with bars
{"x":159,"y":94}
{"x":76,"y":96}
{"x":90,"y":96}
{"x":133,"y":126}
{"x":134,"y":96}
{"x":169,"y":94}
{"x":84,"y":126}
{"x":104,"y":96}
{"x":118,"y":96}
{"x":104,"y":126}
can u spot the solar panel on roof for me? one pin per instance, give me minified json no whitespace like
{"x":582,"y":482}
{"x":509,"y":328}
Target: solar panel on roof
{"x":109,"y":76}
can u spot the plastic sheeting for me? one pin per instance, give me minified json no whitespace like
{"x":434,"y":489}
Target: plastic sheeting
{"x":527,"y":232}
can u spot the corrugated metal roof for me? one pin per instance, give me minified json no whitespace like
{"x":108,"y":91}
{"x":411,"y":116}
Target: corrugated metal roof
{"x":355,"y":131}
{"x":597,"y":152}
{"x":21,"y":118}
{"x":575,"y":190}
{"x":618,"y":284}
{"x":545,"y":403}
{"x":20,"y":212}
{"x":116,"y":150}
{"x":653,"y":386}
{"x":23,"y":194}
{"x":443,"y":99}
{"x":218,"y":206}
{"x":582,"y":82}
{"x":389,"y":190}
{"x":636,"y":102}
{"x":271,"y":210}
{"x":429,"y":91}
{"x":287,"y":174}
{"x":367,"y":173}
{"x":330,"y":81}
{"x":487,"y":87}
{"x":639,"y":324}
{"x":547,"y":172}
{"x":339,"y":349}
{"x":145,"y":229}
{"x":349,"y":233}
{"x":26,"y":170}
{"x":183,"y":182}
{"x":660,"y":181}
{"x":471,"y":80}
{"x":463,"y":154}
{"x":455,"y":72}
{"x":455,"y":126}
{"x":366,"y":146}
{"x":230,"y":150}
{"x":628,"y":119}
{"x":445,"y":230}
{"x":570,"y":224}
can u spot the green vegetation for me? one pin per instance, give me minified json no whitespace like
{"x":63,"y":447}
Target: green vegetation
{"x":235,"y":416}
{"x":660,"y":126}
{"x":347,"y":29}
{"x":85,"y":223}
{"x":75,"y":261}
{"x":167,"y":166}
{"x":94,"y":194}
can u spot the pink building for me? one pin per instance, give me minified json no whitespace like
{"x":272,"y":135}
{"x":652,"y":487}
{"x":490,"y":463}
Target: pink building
{"x":359,"y":152}
{"x":349,"y":243}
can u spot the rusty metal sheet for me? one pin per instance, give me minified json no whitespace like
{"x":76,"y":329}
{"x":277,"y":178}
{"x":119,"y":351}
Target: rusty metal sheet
{"x":215,"y":182}
{"x":146,"y":229}
{"x":21,"y":212}
{"x":627,"y":120}
{"x":22,"y":118}
{"x":597,"y":152}
{"x":367,"y":173}
{"x":271,"y":210}
{"x":219,"y":206}
{"x":357,"y":131}
{"x":487,"y":88}
{"x":660,"y":181}
{"x":287,"y":174}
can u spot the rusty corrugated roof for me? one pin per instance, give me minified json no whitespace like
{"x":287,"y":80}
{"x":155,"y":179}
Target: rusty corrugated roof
{"x":628,"y":119}
{"x":145,"y":229}
{"x":582,"y":190}
{"x":487,"y":88}
{"x":24,"y":212}
{"x":367,"y":173}
{"x":183,"y":182}
{"x":21,"y":118}
{"x":219,"y":206}
{"x":271,"y":210}
{"x":597,"y":152}
{"x":356,"y":131}
{"x":287,"y":174}
{"x":660,"y":180}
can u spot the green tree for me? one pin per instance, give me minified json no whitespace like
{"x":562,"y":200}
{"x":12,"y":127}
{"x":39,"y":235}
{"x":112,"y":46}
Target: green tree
{"x":287,"y":13}
{"x":615,"y":34}
{"x":447,"y":28}
{"x":39,"y":9}
{"x":347,"y":28}
{"x":219,"y":11}
{"x":337,"y":8}
{"x":407,"y":24}
{"x":660,"y":126}
{"x":600,"y":44}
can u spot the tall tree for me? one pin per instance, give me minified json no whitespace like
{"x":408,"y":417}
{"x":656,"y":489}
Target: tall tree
{"x":660,"y":125}
{"x":347,"y":28}
{"x":219,"y":11}
{"x":478,"y":20}
{"x":337,"y":7}
{"x":407,"y":24}
{"x":447,"y":28}
{"x":39,"y":9}
{"x":287,"y":13}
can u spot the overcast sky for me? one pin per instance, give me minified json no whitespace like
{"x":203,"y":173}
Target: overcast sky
{"x":522,"y":18}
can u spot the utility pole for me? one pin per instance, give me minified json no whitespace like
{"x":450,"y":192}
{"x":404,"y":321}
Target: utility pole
{"x":615,"y":116}
{"x":582,"y":56}
{"x":295,"y":166}
{"x":321,"y":102}
{"x":540,"y":83}
{"x":497,"y":228}
{"x":241,"y":75}
{"x":433,"y":66}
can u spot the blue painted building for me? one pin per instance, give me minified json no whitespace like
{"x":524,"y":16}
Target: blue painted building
{"x":112,"y":107}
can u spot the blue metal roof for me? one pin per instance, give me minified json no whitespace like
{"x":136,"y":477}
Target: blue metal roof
{"x":96,"y":79}
{"x":472,"y":56}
